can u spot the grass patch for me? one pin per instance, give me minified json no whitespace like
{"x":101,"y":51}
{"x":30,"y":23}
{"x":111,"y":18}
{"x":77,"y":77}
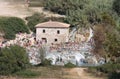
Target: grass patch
{"x":58,"y":72}
{"x":49,"y":71}
{"x":37,"y":3}
{"x":28,"y":74}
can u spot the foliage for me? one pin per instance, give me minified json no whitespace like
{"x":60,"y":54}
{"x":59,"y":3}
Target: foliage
{"x":13,"y":59}
{"x":69,"y":65}
{"x":112,"y":45}
{"x":106,"y":37}
{"x":109,"y":68}
{"x":116,"y":6}
{"x":114,"y":75}
{"x":80,"y":12}
{"x":12,"y":25}
{"x":36,"y":3}
{"x":42,"y":52}
{"x":46,"y":62}
{"x":27,"y":74}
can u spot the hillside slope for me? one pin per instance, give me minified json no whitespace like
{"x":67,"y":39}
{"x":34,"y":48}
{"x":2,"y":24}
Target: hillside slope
{"x":19,"y":9}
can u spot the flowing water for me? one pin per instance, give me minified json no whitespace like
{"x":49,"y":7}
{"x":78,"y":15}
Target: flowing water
{"x":79,"y":54}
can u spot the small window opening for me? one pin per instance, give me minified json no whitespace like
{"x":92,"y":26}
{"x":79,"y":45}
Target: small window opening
{"x":56,"y":40}
{"x":43,"y":31}
{"x":58,"y":32}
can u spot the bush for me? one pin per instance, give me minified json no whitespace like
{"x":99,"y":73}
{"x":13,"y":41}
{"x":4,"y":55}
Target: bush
{"x":46,"y":62}
{"x":116,"y":6}
{"x":27,"y":74}
{"x":109,"y":68}
{"x":69,"y":65}
{"x":114,"y":75}
{"x":12,"y":25}
{"x":13,"y":59}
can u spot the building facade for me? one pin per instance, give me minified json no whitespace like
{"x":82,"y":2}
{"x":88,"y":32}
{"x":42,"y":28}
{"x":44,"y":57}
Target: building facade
{"x":52,"y":32}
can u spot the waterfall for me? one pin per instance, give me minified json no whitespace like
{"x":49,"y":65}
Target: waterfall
{"x":72,"y":34}
{"x":91,"y":35}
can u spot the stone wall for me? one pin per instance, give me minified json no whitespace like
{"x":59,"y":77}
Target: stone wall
{"x":51,"y":34}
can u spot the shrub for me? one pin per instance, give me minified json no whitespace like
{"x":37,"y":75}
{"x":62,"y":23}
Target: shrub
{"x":13,"y":59}
{"x":69,"y":65}
{"x":116,"y":6}
{"x":27,"y":74}
{"x":109,"y":68}
{"x":12,"y":25}
{"x":46,"y":62}
{"x":114,"y":75}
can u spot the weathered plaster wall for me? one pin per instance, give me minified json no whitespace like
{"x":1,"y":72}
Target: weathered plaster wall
{"x":51,"y":34}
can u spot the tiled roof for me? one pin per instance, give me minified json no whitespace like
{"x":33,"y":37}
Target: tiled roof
{"x":52,"y":24}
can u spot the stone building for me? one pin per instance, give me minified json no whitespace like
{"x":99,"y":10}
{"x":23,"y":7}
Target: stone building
{"x":52,"y":32}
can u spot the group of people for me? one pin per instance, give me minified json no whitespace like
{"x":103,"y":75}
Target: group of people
{"x":32,"y":46}
{"x":23,"y":40}
{"x":73,"y":46}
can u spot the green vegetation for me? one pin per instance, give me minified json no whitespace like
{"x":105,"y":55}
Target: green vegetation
{"x":42,"y":52}
{"x":111,"y":70}
{"x":70,"y":65}
{"x":116,"y":6}
{"x":13,"y":59}
{"x":44,"y":62}
{"x":114,"y":75}
{"x":9,"y":26}
{"x":27,"y":74}
{"x":80,"y":11}
{"x":41,"y":72}
{"x":37,"y":3}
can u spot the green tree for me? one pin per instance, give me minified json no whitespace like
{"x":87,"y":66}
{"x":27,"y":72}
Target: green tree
{"x":13,"y":59}
{"x":42,"y":52}
{"x":107,"y":39}
{"x":12,"y":25}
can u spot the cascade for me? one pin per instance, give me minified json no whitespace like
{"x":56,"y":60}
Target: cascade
{"x":72,"y":34}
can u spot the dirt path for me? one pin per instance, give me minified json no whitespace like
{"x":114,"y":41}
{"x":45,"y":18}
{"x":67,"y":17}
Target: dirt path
{"x":74,"y":73}
{"x":81,"y":74}
{"x":19,"y":9}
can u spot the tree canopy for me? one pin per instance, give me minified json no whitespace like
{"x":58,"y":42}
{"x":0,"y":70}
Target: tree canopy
{"x":12,"y":25}
{"x":13,"y":59}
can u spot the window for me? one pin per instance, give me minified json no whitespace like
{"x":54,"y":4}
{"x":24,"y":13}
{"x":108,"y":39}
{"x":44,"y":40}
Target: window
{"x":43,"y":31}
{"x":58,"y":32}
{"x":56,"y":40}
